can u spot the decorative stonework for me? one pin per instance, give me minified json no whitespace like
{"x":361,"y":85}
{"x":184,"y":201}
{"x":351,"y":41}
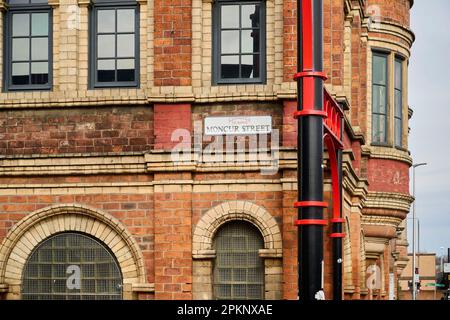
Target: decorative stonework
{"x":203,"y":252}
{"x":40,"y":225}
{"x":237,"y":210}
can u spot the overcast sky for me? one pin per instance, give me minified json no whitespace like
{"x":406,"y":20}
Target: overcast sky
{"x":429,"y":96}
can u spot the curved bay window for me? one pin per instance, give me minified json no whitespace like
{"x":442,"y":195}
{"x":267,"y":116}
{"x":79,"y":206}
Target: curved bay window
{"x":114,"y":44}
{"x":28,"y":49}
{"x":239,"y":41}
{"x":71,"y":266}
{"x":238,"y":268}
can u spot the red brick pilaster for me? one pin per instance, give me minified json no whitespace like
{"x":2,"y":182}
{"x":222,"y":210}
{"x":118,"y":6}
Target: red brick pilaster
{"x":173,"y":34}
{"x":167,"y":119}
{"x":289,"y":124}
{"x":173,"y":243}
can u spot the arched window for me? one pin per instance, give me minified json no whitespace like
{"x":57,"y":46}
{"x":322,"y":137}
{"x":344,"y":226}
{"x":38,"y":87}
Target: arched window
{"x":238,"y":268}
{"x":71,"y":266}
{"x":114,"y":43}
{"x":28,"y":50}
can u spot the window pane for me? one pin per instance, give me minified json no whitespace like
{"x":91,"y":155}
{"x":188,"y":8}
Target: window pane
{"x":398,"y":74}
{"x":230,"y":17}
{"x":21,"y":25}
{"x":106,"y":46}
{"x":21,"y":49}
{"x":39,"y":49}
{"x":125,"y":20}
{"x":39,"y":73}
{"x":250,"y":16}
{"x":230,"y":67}
{"x":230,"y":41}
{"x":39,"y":24}
{"x":250,"y":66}
{"x":398,"y":104}
{"x":379,"y":69}
{"x":19,"y":1}
{"x":379,"y":99}
{"x":125,"y":70}
{"x":398,"y":132}
{"x":125,"y":45}
{"x":20,"y":73}
{"x":249,"y":41}
{"x":106,"y":21}
{"x":239,"y":242}
{"x":106,"y":71}
{"x":379,"y":128}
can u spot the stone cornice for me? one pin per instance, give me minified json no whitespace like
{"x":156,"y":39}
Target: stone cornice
{"x":389,"y":201}
{"x":389,"y":153}
{"x":396,"y":30}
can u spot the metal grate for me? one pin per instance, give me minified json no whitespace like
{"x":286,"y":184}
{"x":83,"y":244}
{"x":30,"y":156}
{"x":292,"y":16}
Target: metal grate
{"x":238,"y":268}
{"x":71,"y":266}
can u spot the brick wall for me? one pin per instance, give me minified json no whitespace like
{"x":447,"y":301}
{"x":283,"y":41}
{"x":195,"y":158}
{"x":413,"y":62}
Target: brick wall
{"x":75,"y":130}
{"x":388,"y":176}
{"x":393,"y":11}
{"x":289,"y":39}
{"x":168,"y":118}
{"x":134,"y":210}
{"x":173,"y":29}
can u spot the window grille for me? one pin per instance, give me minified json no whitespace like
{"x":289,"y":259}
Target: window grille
{"x":238,"y":268}
{"x":71,"y":266}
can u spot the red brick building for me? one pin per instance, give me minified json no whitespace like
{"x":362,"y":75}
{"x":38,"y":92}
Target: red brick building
{"x":96,"y":96}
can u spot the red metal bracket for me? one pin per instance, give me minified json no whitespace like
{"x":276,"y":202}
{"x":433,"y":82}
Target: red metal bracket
{"x":310,"y":112}
{"x":303,"y":204}
{"x":311,"y":222}
{"x":338,"y":235}
{"x":306,"y":74}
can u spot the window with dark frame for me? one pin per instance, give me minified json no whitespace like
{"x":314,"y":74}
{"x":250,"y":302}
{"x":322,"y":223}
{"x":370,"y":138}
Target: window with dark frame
{"x":398,"y":114}
{"x":239,"y":45}
{"x":28,"y":50}
{"x":380,"y":85}
{"x":238,"y":268}
{"x":114,"y":44}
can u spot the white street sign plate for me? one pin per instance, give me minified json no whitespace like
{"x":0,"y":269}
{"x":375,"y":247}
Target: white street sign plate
{"x":219,"y":126}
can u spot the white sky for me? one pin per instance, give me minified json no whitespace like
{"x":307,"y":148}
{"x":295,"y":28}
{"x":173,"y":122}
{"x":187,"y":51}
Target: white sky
{"x":429,"y":96}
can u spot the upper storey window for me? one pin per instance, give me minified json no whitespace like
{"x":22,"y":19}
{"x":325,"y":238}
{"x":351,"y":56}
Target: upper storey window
{"x":398,"y":104}
{"x":114,"y":44}
{"x":239,"y":42}
{"x":380,"y":98}
{"x":28,"y":45}
{"x":387,"y":99}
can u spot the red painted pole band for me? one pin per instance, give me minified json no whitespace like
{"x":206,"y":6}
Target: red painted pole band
{"x":313,"y":74}
{"x":337,"y":235}
{"x":338,"y":220}
{"x":311,"y":222}
{"x":309,"y":112}
{"x":303,"y":204}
